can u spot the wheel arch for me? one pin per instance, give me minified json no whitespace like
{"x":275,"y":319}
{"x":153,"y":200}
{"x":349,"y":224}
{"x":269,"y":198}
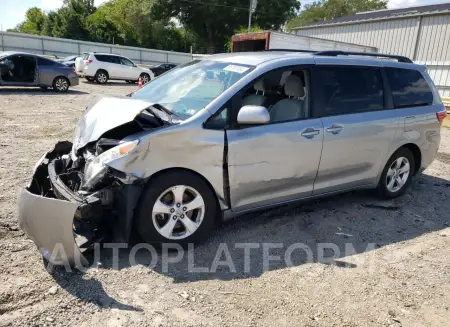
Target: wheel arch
{"x":190,"y":171}
{"x":417,"y":154}
{"x":102,"y":70}
{"x":58,"y":76}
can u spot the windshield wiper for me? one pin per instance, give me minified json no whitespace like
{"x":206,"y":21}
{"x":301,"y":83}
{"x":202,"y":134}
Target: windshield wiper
{"x":164,"y":109}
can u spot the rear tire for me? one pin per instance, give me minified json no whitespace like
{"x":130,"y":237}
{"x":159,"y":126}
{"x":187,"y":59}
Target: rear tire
{"x":179,"y":223}
{"x":61,"y":84}
{"x":145,"y":78}
{"x":101,"y":76}
{"x":397,"y":174}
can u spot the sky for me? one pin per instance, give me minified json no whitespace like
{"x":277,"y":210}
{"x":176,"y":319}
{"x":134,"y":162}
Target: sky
{"x":12,"y":12}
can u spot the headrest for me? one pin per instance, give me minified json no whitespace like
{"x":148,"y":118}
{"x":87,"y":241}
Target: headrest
{"x":294,"y":86}
{"x":261,"y":85}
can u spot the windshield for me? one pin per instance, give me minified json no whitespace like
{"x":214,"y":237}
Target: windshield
{"x":187,"y":89}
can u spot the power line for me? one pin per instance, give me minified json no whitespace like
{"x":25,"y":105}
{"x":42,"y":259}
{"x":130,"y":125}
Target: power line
{"x":226,"y":6}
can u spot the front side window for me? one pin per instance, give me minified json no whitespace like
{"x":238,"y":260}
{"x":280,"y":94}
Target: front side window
{"x":346,"y":90}
{"x":126,"y":62}
{"x":409,"y":88}
{"x":189,"y":88}
{"x":284,"y":92}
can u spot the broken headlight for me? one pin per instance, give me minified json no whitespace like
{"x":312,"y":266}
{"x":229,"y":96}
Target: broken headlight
{"x":97,"y":168}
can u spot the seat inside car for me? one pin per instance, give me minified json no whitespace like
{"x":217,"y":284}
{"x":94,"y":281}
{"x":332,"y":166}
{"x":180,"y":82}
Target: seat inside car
{"x":259,"y":98}
{"x":292,"y":107}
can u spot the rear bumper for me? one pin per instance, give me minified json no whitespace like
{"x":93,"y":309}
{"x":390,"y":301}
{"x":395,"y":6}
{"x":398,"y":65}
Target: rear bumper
{"x":74,"y":80}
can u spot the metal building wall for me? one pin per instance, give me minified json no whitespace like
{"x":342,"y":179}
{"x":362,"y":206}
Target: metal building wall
{"x":425,"y":39}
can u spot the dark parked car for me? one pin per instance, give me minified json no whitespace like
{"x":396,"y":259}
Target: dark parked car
{"x":26,"y":69}
{"x":68,"y":61}
{"x":161,"y":69}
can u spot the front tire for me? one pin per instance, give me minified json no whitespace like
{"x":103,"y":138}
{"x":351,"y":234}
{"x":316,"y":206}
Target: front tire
{"x":61,"y":84}
{"x":397,"y":174}
{"x":101,"y":77}
{"x":177,"y":207}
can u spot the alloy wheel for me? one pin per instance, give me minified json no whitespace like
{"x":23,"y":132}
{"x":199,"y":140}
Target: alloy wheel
{"x":101,"y":77}
{"x":144,"y":78}
{"x":62,"y":84}
{"x":178,"y":212}
{"x":398,"y":174}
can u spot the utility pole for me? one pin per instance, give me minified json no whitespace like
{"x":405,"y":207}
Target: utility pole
{"x":251,"y":10}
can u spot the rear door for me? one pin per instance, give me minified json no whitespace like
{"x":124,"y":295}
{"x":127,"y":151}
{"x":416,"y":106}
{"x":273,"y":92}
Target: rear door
{"x":358,"y":125}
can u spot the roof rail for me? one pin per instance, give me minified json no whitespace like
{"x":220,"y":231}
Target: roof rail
{"x":334,"y":53}
{"x":292,"y":50}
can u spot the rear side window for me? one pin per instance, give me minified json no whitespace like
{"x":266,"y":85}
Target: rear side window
{"x":104,"y":58}
{"x":347,"y":90}
{"x":409,"y":88}
{"x":45,"y":62}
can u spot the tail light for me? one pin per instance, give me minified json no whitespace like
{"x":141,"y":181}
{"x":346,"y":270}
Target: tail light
{"x":87,"y":62}
{"x":73,"y":69}
{"x":441,"y":115}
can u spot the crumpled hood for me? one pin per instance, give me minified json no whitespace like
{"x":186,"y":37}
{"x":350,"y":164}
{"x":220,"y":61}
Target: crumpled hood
{"x":106,"y":114}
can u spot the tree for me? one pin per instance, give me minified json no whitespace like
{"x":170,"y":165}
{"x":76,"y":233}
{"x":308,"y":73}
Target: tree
{"x":214,"y":21}
{"x":102,"y":28}
{"x":49,"y":22}
{"x":329,"y":9}
{"x":70,"y":21}
{"x":34,"y":21}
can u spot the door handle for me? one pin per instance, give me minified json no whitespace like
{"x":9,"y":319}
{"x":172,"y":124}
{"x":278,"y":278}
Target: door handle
{"x":335,"y":129}
{"x":310,"y":132}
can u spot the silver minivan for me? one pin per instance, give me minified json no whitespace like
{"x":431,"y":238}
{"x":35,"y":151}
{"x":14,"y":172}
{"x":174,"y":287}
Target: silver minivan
{"x":229,"y":134}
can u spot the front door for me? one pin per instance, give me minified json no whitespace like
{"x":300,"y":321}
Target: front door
{"x":128,"y":69}
{"x":357,"y":128}
{"x":273,"y":163}
{"x":276,"y":162}
{"x":19,"y":70}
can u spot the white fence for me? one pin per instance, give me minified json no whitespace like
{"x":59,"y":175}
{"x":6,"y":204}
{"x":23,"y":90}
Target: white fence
{"x":65,"y":47}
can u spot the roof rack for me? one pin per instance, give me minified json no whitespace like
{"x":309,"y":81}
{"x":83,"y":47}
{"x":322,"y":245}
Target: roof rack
{"x":292,"y":50}
{"x":368,"y":54}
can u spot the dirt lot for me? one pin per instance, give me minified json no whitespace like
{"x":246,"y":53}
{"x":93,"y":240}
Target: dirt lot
{"x":402,"y":280}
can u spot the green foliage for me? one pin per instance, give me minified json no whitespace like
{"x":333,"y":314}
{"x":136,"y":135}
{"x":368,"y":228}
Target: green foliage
{"x":328,"y":9}
{"x":34,"y":21}
{"x":161,"y":24}
{"x":215,"y":21}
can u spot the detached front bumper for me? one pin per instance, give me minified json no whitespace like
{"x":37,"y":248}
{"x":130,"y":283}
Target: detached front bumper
{"x":49,"y":223}
{"x":64,"y":224}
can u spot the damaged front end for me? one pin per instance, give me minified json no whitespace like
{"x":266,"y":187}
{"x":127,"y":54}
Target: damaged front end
{"x":75,"y":199}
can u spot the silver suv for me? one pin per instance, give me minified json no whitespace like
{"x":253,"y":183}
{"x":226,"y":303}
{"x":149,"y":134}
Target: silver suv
{"x":229,"y":134}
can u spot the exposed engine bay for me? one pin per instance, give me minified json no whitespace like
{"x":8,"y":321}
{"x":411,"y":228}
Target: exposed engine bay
{"x":103,"y":197}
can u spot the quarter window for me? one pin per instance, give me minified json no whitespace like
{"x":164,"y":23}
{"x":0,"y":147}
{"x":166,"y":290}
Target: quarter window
{"x":409,"y":88}
{"x":346,"y":90}
{"x":44,"y":62}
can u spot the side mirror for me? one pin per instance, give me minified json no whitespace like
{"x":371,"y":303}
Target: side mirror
{"x":253,"y":115}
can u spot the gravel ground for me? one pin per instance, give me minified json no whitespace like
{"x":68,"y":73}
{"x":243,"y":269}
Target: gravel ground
{"x":403,"y":279}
